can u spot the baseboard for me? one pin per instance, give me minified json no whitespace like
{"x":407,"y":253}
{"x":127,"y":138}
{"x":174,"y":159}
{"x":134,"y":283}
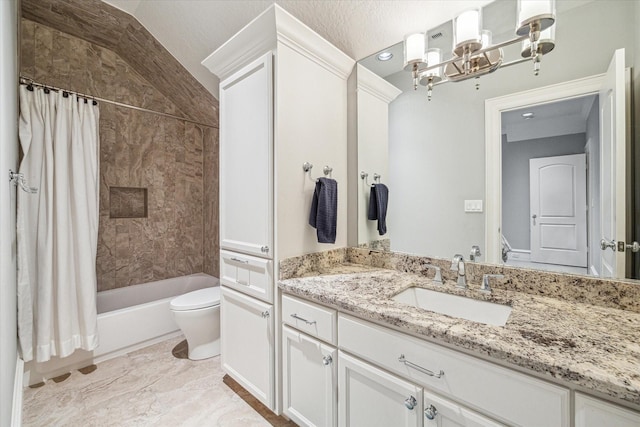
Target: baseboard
{"x":16,"y":411}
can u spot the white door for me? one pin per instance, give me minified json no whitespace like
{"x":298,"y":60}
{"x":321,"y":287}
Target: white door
{"x":441,"y":412}
{"x":246,"y":340}
{"x":592,"y":412}
{"x":373,"y":398}
{"x":246,"y":158}
{"x":558,"y":204}
{"x":612,"y":166}
{"x":310,"y":380}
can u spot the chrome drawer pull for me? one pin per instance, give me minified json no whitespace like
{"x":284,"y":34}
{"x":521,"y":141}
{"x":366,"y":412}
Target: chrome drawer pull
{"x":308,"y":322}
{"x":410,"y":402}
{"x":419,"y":368}
{"x":265,"y":314}
{"x":327,"y":360}
{"x":241,"y":261}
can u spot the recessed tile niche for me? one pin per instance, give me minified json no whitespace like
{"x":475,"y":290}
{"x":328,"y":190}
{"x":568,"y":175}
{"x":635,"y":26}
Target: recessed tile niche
{"x":127,"y":202}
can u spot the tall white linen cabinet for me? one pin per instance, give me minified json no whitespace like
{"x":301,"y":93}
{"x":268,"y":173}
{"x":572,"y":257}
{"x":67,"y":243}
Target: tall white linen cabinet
{"x":283,"y":102}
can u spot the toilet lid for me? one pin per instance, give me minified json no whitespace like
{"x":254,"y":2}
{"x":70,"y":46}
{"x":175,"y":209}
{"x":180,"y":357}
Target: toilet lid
{"x":207,"y":297}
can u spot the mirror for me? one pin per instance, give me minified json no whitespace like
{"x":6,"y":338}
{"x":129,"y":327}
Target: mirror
{"x":436,"y":149}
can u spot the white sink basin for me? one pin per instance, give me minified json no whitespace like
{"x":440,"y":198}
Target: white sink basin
{"x":455,"y":306}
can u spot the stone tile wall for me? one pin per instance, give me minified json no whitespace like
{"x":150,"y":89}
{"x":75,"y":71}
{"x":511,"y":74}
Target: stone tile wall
{"x":171,"y":158}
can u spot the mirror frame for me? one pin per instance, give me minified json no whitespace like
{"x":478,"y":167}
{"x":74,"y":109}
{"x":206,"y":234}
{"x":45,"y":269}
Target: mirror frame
{"x":494,"y":107}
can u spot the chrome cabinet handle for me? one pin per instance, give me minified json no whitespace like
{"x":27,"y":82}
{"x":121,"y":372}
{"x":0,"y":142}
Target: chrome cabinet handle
{"x":633,"y":247}
{"x":605,"y":244}
{"x":419,"y":368}
{"x":410,"y":402}
{"x":308,"y":322}
{"x":241,"y":261}
{"x":431,"y":412}
{"x":327,"y":360}
{"x":264,"y":249}
{"x":534,"y":216}
{"x":265,"y":314}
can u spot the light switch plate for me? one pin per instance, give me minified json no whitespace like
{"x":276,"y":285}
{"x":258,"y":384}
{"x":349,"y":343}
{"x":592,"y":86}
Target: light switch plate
{"x":473,"y":205}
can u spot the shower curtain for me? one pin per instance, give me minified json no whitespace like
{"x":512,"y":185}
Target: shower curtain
{"x":58,"y":226}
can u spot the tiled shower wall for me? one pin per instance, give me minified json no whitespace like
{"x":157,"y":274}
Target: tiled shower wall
{"x":176,"y":161}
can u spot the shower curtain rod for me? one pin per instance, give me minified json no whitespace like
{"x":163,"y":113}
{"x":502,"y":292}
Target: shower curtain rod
{"x":28,"y":81}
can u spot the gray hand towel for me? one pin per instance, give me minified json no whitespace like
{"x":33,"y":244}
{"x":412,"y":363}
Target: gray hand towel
{"x":324,"y":210}
{"x":378,"y":200}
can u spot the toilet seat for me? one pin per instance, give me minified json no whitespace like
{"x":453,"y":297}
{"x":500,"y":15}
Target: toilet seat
{"x":202,"y":298}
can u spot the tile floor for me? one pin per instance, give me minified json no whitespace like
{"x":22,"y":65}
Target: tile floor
{"x":155,"y":386}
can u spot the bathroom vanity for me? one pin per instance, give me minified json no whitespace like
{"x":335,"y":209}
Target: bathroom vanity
{"x":352,"y":355}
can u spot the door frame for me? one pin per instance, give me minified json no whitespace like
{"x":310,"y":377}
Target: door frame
{"x":494,"y":107}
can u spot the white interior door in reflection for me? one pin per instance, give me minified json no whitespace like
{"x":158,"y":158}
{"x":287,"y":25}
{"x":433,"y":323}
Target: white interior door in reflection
{"x":558,"y":204}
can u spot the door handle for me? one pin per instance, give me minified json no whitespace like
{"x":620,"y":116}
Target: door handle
{"x":605,"y":244}
{"x":534,"y":216}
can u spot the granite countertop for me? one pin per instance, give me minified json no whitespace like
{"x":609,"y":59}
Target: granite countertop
{"x":593,"y":347}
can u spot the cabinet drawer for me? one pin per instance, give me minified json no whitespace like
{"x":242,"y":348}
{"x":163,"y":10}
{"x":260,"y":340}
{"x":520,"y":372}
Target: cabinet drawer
{"x":247,"y":274}
{"x":309,"y":318}
{"x":491,"y":389}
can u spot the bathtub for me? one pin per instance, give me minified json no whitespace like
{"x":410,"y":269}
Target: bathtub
{"x":140,"y":310}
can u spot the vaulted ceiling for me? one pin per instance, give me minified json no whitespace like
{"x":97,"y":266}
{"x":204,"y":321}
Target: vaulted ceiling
{"x":100,"y":23}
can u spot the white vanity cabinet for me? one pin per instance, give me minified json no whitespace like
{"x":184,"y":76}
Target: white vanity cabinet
{"x":309,"y":379}
{"x":371,"y":397}
{"x":247,"y":344}
{"x":309,"y":365}
{"x":592,"y":412}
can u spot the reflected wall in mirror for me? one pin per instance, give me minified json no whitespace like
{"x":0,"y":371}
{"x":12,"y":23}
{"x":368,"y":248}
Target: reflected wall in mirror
{"x":437,"y":154}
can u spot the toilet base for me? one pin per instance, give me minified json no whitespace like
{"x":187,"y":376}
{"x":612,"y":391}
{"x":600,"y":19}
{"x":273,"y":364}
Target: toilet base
{"x":204,"y":351}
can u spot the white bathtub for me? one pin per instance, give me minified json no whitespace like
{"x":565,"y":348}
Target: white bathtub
{"x":128,"y":319}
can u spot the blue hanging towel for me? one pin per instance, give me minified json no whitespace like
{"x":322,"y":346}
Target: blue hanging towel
{"x":324,"y":210}
{"x":378,"y":200}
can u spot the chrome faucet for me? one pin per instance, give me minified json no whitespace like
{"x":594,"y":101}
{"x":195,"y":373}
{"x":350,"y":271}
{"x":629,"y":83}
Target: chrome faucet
{"x":457,"y":264}
{"x":475,"y":253}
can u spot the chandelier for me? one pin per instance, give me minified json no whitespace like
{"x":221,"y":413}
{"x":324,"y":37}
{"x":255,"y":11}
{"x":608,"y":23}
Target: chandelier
{"x":473,"y":53}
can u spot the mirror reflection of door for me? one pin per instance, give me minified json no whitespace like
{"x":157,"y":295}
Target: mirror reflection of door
{"x":545,"y":184}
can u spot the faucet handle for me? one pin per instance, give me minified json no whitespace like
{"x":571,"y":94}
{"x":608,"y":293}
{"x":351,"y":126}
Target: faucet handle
{"x":486,"y":287}
{"x":455,"y":262}
{"x":437,"y":278}
{"x":475,"y":253}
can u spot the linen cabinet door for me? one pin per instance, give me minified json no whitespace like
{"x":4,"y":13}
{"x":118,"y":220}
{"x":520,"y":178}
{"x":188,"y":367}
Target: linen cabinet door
{"x":441,"y":412}
{"x":246,"y":159}
{"x":371,"y":397}
{"x":310,"y":380}
{"x":246,"y":339}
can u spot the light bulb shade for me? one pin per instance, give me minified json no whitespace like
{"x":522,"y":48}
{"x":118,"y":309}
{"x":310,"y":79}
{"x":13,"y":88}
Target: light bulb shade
{"x":434,"y":56}
{"x":541,"y":13}
{"x":467,"y":29}
{"x":546,"y":42}
{"x":414,"y":45}
{"x":486,"y":38}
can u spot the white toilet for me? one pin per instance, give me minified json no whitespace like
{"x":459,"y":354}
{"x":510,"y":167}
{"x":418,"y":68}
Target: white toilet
{"x":197,"y":314}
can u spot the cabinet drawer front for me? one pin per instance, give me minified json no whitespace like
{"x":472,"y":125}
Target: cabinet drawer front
{"x":309,"y":379}
{"x":310,"y":318}
{"x":592,"y":412}
{"x":248,"y":274}
{"x":491,"y":389}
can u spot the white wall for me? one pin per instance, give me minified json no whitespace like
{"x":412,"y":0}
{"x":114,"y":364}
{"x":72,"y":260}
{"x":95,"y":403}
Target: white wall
{"x":311,"y":126}
{"x":437,"y":147}
{"x":8,"y":160}
{"x":515,"y":181}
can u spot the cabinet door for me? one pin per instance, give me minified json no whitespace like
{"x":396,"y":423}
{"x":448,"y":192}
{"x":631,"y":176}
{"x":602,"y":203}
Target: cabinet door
{"x":246,"y":158}
{"x":371,"y":397}
{"x":441,"y":412}
{"x":246,"y":339}
{"x":592,"y":412}
{"x":310,"y":380}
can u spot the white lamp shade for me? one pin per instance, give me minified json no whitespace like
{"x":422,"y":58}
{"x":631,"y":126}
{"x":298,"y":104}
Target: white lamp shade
{"x":530,"y":9}
{"x":414,"y":46}
{"x":486,"y":38}
{"x":434,"y":56}
{"x":467,"y":27}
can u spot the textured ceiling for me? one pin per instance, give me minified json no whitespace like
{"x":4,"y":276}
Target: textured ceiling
{"x":191,"y":29}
